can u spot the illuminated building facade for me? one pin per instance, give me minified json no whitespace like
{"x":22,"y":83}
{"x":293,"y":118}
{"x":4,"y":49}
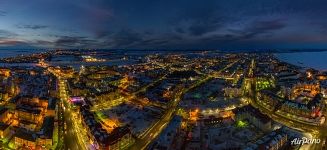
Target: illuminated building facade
{"x":309,"y":112}
{"x":273,"y":141}
{"x":264,"y":83}
{"x":4,"y":130}
{"x":118,"y":138}
{"x":306,"y":89}
{"x":254,"y":116}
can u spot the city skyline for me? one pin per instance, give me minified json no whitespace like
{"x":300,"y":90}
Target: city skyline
{"x":150,"y":100}
{"x":163,"y":75}
{"x":163,"y":24}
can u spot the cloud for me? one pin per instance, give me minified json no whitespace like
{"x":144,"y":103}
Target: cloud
{"x":199,"y":20}
{"x":102,"y":34}
{"x":7,"y":34}
{"x":3,"y":13}
{"x":11,"y":42}
{"x":200,"y":28}
{"x":8,"y":38}
{"x":262,"y":26}
{"x":76,"y":42}
{"x":43,"y":43}
{"x":179,"y":30}
{"x":168,"y":24}
{"x":131,"y":39}
{"x":33,"y":27}
{"x":257,"y":28}
{"x":125,"y":38}
{"x":246,"y":37}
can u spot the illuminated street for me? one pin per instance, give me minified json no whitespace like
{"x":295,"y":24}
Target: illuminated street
{"x":163,"y":75}
{"x":175,"y":101}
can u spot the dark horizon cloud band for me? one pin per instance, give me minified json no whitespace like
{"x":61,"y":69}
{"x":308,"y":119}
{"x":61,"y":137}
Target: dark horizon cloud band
{"x":163,"y":24}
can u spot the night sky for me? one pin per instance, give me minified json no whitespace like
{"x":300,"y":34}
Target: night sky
{"x":163,"y":24}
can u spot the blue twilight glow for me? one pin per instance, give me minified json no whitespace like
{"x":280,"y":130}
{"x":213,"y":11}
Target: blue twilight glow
{"x":144,"y":24}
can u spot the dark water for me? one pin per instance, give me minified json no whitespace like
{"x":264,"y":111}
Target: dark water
{"x":11,"y":53}
{"x":316,"y":60}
